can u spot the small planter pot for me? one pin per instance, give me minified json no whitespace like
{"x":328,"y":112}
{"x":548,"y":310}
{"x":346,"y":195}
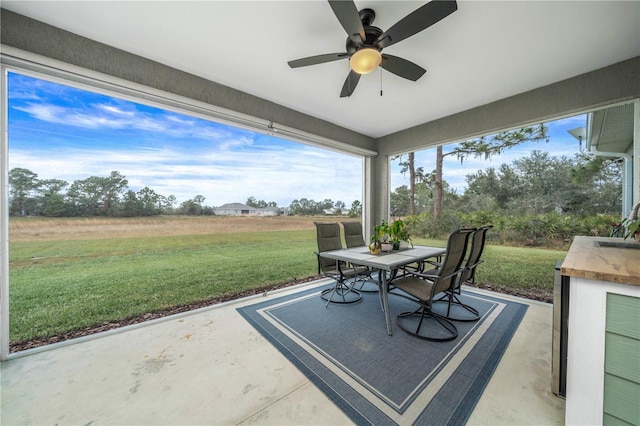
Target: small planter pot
{"x":386,"y":246}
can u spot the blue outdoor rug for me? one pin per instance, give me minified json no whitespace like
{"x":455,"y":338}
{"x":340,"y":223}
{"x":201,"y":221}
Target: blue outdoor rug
{"x":379,"y":379}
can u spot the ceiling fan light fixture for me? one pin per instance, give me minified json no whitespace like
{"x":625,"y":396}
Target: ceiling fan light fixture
{"x":365,"y":60}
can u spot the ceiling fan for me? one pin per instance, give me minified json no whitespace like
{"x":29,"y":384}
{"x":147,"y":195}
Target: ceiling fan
{"x":365,"y":42}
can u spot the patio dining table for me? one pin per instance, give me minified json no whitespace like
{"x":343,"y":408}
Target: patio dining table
{"x":383,"y":263}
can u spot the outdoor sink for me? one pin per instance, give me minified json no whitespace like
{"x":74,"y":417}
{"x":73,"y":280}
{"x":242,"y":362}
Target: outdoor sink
{"x":617,"y":244}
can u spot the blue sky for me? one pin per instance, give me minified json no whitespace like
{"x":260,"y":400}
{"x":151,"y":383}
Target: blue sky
{"x":67,"y":133}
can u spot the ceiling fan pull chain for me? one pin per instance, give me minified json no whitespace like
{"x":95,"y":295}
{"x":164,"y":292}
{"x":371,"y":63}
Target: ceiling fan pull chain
{"x":380,"y":81}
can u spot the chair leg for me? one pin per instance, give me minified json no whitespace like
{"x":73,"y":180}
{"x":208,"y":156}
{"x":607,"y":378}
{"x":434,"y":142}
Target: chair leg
{"x":343,"y":292}
{"x":365,"y":279}
{"x":423,"y":313}
{"x":452,"y":299}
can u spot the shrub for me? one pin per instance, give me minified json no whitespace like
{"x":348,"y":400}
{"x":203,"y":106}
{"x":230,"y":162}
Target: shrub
{"x":548,"y":229}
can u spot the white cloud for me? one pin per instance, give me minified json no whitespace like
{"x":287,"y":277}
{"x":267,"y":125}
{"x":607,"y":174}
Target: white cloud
{"x":220,"y":176}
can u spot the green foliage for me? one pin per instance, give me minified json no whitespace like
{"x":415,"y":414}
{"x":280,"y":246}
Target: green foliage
{"x":398,"y":231}
{"x":548,"y":229}
{"x":260,"y":204}
{"x":400,"y":201}
{"x":423,"y":225}
{"x":356,"y":209}
{"x":631,"y":227}
{"x":487,"y":146}
{"x":380,"y":232}
{"x":393,"y":232}
{"x":541,"y":183}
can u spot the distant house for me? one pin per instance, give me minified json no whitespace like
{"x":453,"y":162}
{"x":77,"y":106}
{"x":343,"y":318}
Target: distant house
{"x":333,"y":211}
{"x":270,"y":211}
{"x":239,"y":209}
{"x":235,"y":209}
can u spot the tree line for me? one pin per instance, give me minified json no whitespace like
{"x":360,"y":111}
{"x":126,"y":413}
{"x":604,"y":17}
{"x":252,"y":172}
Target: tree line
{"x":111,"y":196}
{"x":537,"y":184}
{"x":533,"y":200}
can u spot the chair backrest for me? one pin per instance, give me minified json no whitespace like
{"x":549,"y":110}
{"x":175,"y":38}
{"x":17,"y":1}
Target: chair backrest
{"x":328,"y":235}
{"x":353,"y":234}
{"x":475,"y":253}
{"x":448,"y":274}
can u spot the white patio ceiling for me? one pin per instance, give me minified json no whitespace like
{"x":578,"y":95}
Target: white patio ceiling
{"x":485,"y":51}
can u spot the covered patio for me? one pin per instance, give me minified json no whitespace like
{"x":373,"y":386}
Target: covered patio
{"x":553,"y":60}
{"x":211,"y":367}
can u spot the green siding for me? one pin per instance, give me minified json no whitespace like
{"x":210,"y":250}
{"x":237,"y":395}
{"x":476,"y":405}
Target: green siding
{"x":623,"y":315}
{"x":608,"y":420}
{"x":621,"y":357}
{"x":622,"y":361}
{"x":621,"y":399}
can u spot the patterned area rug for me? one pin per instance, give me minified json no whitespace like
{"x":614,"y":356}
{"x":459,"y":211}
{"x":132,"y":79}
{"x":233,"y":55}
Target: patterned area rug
{"x":379,"y":379}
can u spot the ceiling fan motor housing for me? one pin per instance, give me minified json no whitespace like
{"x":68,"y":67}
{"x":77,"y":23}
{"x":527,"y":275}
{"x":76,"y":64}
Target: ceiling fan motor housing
{"x":371,"y":34}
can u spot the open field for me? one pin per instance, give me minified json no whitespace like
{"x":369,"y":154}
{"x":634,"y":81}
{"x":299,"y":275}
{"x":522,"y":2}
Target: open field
{"x":74,"y":274}
{"x":90,"y":228}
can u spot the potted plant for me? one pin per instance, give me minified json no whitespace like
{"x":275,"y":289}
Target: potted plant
{"x":398,"y":233}
{"x":380,"y":238}
{"x":631,"y":228}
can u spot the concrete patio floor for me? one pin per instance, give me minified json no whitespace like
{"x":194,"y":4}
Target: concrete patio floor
{"x":211,"y":367}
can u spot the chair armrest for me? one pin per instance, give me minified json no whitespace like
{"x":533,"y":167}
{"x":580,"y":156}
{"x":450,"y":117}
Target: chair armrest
{"x":420,"y":274}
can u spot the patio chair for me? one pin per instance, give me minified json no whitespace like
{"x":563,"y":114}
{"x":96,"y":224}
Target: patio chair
{"x":422,"y":287}
{"x":328,"y":236}
{"x":467,"y":276}
{"x":353,"y":237}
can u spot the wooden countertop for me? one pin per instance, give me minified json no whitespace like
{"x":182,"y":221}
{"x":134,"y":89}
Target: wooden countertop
{"x":586,"y":259}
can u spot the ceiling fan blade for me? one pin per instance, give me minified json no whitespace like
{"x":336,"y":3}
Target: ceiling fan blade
{"x":416,"y":21}
{"x":318,"y":59}
{"x":402,"y":67}
{"x":348,"y":16}
{"x":350,"y":84}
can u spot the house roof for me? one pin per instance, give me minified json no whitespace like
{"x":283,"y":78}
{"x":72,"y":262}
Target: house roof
{"x":235,"y":206}
{"x":483,"y":52}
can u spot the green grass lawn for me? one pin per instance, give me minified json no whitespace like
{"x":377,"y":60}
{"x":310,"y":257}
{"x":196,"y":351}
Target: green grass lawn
{"x":60,"y":286}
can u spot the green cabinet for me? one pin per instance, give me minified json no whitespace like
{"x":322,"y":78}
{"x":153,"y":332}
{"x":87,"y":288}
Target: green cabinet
{"x":622,"y":361}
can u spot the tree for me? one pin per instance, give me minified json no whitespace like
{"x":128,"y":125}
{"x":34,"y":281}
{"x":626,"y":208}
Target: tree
{"x":98,"y":195}
{"x":259,"y":204}
{"x":199,"y":200}
{"x":167,"y":203}
{"x":190,"y":207}
{"x":400,"y":201}
{"x":415,"y":176}
{"x":23,"y":184}
{"x":356,"y":209}
{"x":541,"y":183}
{"x":503,"y":185}
{"x":486,"y":147}
{"x":603,"y":177}
{"x":437,"y":199}
{"x":149,"y":202}
{"x":131,"y":205}
{"x":55,"y":206}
